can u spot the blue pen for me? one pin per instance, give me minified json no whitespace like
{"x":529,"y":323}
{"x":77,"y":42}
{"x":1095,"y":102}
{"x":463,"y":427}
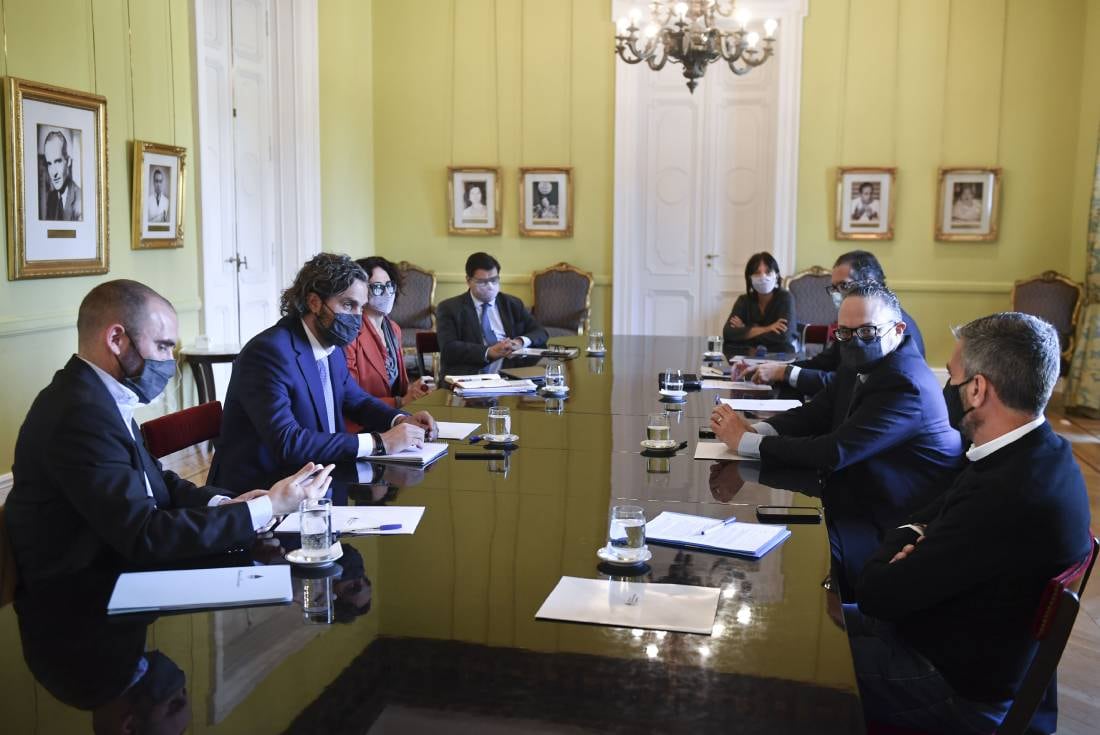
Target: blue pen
{"x":475,"y":439}
{"x":384,"y":527}
{"x":726,"y":522}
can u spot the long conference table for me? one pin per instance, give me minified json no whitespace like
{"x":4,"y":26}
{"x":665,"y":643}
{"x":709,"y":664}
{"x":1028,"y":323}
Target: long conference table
{"x":436,"y":632}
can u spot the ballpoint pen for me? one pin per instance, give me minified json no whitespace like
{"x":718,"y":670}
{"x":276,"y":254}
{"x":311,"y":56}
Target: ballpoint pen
{"x":384,"y":527}
{"x":726,"y":522}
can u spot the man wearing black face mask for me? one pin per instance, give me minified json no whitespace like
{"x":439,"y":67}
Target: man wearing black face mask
{"x":86,"y":492}
{"x":291,"y":390}
{"x":879,"y":431}
{"x":951,"y":594}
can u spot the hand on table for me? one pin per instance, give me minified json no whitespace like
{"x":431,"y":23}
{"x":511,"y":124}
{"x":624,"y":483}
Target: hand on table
{"x":728,"y":425}
{"x":425,"y":421}
{"x":503,"y":348}
{"x":768,"y":372}
{"x":405,"y":434}
{"x":311,"y":481}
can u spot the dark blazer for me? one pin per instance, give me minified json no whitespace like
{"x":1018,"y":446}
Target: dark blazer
{"x":965,"y":598}
{"x":274,"y":418}
{"x":366,"y":358}
{"x":72,"y":203}
{"x":884,"y":443}
{"x":746,"y":307}
{"x":461,"y":343}
{"x":79,"y":493}
{"x":819,"y":369}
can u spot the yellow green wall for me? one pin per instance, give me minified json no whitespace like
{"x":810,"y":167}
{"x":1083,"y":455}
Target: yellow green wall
{"x":918,"y":84}
{"x":137,"y":55}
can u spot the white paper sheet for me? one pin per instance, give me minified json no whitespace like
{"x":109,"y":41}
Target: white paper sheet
{"x":718,"y":450}
{"x":669,"y":526}
{"x":674,"y":607}
{"x":183,"y":589}
{"x":454,"y":429}
{"x":766,"y":405}
{"x":733,"y":385}
{"x":355,"y":519}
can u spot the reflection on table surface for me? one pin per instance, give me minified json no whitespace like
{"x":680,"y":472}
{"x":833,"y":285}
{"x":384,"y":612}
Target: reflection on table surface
{"x":436,"y":631}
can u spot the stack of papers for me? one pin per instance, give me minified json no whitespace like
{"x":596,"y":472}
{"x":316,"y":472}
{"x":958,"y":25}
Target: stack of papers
{"x":717,"y":384}
{"x":189,"y":589}
{"x":454,"y":430}
{"x":423,"y":456}
{"x":362,"y":520}
{"x":488,"y":384}
{"x":675,"y":607}
{"x":698,"y":532}
{"x":563,"y":353}
{"x":757,"y":404}
{"x":718,"y":451}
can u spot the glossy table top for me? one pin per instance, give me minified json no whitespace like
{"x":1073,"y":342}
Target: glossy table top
{"x":435,"y":632}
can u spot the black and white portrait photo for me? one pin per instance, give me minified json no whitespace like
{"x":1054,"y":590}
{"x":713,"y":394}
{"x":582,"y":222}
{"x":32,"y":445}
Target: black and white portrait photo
{"x":545,"y":198}
{"x":473,"y":201}
{"x":966,"y":209}
{"x":546,"y":202}
{"x":864,"y":204}
{"x":156,"y":204}
{"x":474,"y":210}
{"x":966,"y":204}
{"x":158,"y":195}
{"x":59,"y":193}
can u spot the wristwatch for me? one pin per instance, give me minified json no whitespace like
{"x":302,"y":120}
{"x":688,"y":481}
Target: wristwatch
{"x":379,"y":447}
{"x":787,"y":373}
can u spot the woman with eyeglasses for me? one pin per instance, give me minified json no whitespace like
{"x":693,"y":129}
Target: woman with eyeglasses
{"x":764,"y":314}
{"x":374,"y":358}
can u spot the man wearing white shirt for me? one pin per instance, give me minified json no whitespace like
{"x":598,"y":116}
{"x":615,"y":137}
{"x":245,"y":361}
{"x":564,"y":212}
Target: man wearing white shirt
{"x":85,"y":489}
{"x":941,"y":636}
{"x":482,"y":327}
{"x":156,"y":207}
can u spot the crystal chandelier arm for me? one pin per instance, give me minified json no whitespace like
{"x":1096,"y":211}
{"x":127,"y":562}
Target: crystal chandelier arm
{"x":751,"y":59}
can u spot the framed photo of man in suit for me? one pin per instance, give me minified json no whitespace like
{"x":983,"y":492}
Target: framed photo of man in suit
{"x":546,"y":202}
{"x":56,"y":180}
{"x":158,"y":196}
{"x":967,"y":204}
{"x":864,"y":203}
{"x":473,"y":201}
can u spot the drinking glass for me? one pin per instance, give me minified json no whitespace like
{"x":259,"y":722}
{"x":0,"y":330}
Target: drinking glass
{"x":714,"y":343}
{"x":657,"y":427}
{"x":316,"y":525}
{"x":626,"y":532}
{"x":674,"y":380}
{"x":555,"y":376}
{"x":317,"y":601}
{"x":555,"y":405}
{"x":595,"y":342}
{"x":500,"y":467}
{"x":499,"y":424}
{"x":595,"y":365}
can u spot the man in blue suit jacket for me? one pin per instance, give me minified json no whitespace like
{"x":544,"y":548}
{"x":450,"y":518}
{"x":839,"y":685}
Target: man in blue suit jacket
{"x":879,"y":430}
{"x":291,"y":390}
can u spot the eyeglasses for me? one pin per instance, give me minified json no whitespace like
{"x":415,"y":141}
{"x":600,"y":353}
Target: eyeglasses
{"x":377,"y":289}
{"x":486,"y":281}
{"x":841,"y":288}
{"x":866,"y":332}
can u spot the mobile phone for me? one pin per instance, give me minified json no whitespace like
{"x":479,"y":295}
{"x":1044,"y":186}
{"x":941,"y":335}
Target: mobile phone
{"x":787,"y":514}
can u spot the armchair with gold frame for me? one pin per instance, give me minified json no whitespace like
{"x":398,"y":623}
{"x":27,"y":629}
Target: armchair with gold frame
{"x":562,"y":299}
{"x":414,"y":309}
{"x":1055,"y":298}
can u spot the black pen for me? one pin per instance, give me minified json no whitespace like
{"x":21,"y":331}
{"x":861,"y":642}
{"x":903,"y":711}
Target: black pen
{"x":480,"y":455}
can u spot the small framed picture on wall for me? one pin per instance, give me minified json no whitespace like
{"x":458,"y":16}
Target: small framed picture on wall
{"x":55,"y":145}
{"x":864,"y":203}
{"x":473,"y":195}
{"x":546,"y":202}
{"x":158,"y":196}
{"x":967,"y":206}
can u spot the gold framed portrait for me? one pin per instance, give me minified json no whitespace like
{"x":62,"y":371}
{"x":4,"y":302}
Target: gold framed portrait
{"x":967,"y":207}
{"x":55,"y":148}
{"x":864,"y":203}
{"x":473,"y":200}
{"x":158,"y":196}
{"x":546,"y":202}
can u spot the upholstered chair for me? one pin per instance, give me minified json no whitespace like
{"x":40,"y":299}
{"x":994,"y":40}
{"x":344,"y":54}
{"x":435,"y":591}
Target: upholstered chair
{"x":562,"y":299}
{"x":1055,"y":298}
{"x":812,"y":303}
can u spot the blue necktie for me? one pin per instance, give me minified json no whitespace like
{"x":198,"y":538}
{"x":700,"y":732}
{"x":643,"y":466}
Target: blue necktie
{"x":486,"y":327}
{"x":326,"y":386}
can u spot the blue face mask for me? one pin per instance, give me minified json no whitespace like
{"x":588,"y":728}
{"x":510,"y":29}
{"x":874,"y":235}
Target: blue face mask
{"x":152,"y":380}
{"x":342,"y":330}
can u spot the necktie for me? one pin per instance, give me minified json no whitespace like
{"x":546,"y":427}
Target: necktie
{"x":486,"y":327}
{"x":53,"y":208}
{"x":326,"y":387}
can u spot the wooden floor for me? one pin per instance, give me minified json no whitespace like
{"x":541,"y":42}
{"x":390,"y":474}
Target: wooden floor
{"x":1079,"y":673}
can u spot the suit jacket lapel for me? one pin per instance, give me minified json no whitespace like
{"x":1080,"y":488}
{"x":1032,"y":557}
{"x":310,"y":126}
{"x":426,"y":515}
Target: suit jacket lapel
{"x":376,"y":351}
{"x":152,"y":469}
{"x":304,"y":351}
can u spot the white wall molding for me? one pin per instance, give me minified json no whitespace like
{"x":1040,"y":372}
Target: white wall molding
{"x":519,"y":279}
{"x":963,"y":287}
{"x":54,"y":320}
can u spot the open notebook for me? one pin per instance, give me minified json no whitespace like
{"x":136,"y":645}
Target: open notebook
{"x":725,"y":535}
{"x":425,"y":455}
{"x":188,"y":589}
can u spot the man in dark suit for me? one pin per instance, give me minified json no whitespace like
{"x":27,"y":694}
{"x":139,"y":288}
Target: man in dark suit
{"x":879,"y":430}
{"x":86,"y":490}
{"x":479,"y":329}
{"x":941,"y":636}
{"x":59,"y":197}
{"x":809,"y":376}
{"x":291,"y":390}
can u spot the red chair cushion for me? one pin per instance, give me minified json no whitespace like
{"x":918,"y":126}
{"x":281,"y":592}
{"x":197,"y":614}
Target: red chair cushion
{"x":182,"y":429}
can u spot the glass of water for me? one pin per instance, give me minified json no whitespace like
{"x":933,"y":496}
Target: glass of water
{"x":714,"y":343}
{"x":555,"y":376}
{"x":316,"y":521}
{"x":657,"y":428}
{"x":317,"y":601}
{"x":595,"y":342}
{"x":499,"y":424}
{"x":674,"y":380}
{"x":626,"y":532}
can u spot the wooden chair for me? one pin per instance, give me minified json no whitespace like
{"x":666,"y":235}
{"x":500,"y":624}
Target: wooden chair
{"x":182,"y":429}
{"x":1056,"y":299}
{"x":812,"y":303}
{"x":562,"y":301}
{"x":427,"y":343}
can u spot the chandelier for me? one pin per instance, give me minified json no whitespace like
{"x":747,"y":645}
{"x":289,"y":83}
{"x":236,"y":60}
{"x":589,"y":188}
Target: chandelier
{"x":688,"y":34}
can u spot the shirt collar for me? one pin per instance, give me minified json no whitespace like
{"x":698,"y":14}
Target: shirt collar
{"x":976,"y":453}
{"x":319,"y":352}
{"x":477,"y":304}
{"x":122,"y":396}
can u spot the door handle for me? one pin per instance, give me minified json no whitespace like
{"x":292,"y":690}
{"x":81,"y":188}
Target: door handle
{"x":241,"y":262}
{"x":711,"y":256}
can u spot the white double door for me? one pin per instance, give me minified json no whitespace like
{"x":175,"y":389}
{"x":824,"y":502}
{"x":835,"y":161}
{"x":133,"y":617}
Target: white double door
{"x":697,"y":181}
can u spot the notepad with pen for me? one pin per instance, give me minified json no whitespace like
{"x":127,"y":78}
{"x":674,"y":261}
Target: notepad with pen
{"x":715,"y":534}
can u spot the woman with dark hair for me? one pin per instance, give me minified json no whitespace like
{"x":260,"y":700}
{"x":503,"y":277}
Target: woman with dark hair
{"x":374,"y":358}
{"x":764,"y":314}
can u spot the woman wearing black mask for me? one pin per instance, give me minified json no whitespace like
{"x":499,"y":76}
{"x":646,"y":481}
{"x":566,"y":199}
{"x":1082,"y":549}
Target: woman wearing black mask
{"x":764,"y":314}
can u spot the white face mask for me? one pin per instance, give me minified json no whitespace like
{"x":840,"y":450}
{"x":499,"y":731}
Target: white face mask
{"x":382,"y":304}
{"x":764,"y":284}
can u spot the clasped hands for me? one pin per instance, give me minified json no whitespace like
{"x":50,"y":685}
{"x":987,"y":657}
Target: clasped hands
{"x":504,"y":348}
{"x":409,"y":431}
{"x":729,"y":426}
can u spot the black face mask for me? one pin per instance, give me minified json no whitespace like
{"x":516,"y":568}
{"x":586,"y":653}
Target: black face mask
{"x":153,"y":378}
{"x":342,"y":330}
{"x":860,"y":355}
{"x":952,"y":396}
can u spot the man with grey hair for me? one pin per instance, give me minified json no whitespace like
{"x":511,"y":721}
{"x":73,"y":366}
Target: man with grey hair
{"x":941,"y":635}
{"x":879,"y":432}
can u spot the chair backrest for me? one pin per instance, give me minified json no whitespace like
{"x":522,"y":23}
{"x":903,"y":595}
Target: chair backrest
{"x":1055,"y":298}
{"x":413,"y":310}
{"x":562,"y":297}
{"x":1052,"y":627}
{"x":182,"y":429}
{"x":427,"y":343}
{"x":812,"y":304}
{"x":8,"y":570}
